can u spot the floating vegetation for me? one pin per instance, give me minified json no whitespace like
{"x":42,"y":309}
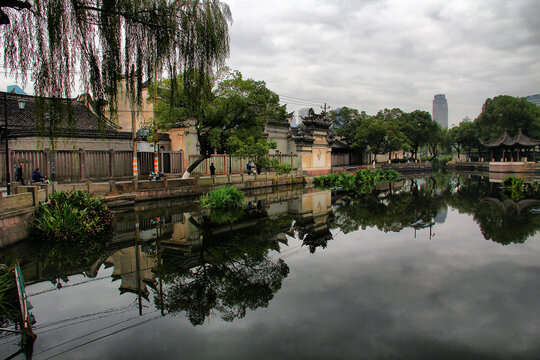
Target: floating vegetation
{"x":362,"y":181}
{"x":72,"y":217}
{"x":514,"y":187}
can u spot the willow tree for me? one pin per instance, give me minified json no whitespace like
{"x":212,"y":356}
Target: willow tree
{"x":54,"y":43}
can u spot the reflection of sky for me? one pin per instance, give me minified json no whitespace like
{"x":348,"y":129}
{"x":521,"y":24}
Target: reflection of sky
{"x":368,"y":294}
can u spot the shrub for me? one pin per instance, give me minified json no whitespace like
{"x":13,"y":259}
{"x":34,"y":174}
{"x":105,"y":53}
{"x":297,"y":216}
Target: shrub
{"x":72,"y":217}
{"x":283,"y":169}
{"x":224,"y":197}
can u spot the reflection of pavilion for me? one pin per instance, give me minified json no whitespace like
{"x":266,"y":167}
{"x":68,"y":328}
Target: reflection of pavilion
{"x":517,"y":206}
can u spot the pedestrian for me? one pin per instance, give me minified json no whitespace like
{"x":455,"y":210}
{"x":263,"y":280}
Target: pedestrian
{"x":212,"y":170}
{"x":249,"y":167}
{"x":19,"y":173}
{"x":37,"y":177}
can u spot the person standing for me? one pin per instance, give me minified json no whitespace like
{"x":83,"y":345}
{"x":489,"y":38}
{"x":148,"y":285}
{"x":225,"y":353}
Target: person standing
{"x":212,"y":170}
{"x":249,"y":167}
{"x":19,"y":173}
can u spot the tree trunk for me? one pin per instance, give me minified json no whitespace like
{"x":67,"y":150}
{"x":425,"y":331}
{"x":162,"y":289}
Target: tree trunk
{"x":192,"y":167}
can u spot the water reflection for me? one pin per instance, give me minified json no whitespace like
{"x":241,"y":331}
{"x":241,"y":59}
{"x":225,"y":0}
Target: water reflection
{"x":179,"y":259}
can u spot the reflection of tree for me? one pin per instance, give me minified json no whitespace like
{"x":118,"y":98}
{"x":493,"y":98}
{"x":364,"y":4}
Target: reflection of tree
{"x":394,"y":209}
{"x":63,"y":259}
{"x":501,"y":220}
{"x":232,"y":273}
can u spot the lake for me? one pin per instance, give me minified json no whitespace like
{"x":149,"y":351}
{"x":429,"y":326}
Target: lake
{"x":438,"y":266}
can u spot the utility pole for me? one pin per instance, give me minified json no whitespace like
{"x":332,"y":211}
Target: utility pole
{"x":134,"y":137}
{"x":7,"y":146}
{"x":324,"y":108}
{"x":156,"y":161}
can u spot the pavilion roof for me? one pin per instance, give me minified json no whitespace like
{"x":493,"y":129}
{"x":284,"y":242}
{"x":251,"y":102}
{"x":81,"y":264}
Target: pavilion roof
{"x":506,"y":140}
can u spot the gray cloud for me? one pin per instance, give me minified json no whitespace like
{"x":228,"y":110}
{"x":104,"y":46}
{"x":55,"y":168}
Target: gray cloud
{"x":377,"y":54}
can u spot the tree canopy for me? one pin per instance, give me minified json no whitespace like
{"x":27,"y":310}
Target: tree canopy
{"x":229,"y":117}
{"x":52,"y":41}
{"x":508,"y":113}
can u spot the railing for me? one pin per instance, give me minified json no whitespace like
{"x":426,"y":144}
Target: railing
{"x":83,"y":165}
{"x":223,"y":163}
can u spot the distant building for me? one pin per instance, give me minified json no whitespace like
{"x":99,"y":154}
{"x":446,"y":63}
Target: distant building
{"x":535,"y":99}
{"x":15,"y":89}
{"x":440,"y":110}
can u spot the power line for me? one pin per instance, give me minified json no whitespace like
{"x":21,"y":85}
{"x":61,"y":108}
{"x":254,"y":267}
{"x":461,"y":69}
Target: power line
{"x":95,"y":331}
{"x":104,"y":336}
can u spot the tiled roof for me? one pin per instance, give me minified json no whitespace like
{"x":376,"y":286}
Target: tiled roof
{"x":506,"y":140}
{"x":76,"y":119}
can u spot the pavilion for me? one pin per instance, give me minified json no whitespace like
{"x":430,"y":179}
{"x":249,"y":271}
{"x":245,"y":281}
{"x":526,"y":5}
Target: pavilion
{"x":509,"y":149}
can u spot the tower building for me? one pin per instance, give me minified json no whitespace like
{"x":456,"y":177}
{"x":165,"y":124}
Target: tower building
{"x":440,"y":110}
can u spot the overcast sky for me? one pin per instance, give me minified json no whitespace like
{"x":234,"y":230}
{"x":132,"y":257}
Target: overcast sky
{"x":372,"y":54}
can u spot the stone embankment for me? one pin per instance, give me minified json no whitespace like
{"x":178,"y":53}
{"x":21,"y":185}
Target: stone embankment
{"x":16,"y":210}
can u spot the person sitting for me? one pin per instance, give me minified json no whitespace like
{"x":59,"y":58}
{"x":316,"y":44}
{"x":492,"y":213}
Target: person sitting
{"x":37,"y":177}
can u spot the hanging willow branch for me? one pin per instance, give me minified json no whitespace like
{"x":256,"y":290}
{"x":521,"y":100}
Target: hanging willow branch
{"x":52,"y":42}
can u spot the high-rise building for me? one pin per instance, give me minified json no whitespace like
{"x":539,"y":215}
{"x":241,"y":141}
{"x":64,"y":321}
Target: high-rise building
{"x":535,"y":99}
{"x":440,"y":110}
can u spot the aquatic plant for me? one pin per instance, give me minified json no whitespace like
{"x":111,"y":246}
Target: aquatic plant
{"x":361,"y":182}
{"x":72,"y":217}
{"x":514,"y":187}
{"x":8,"y":292}
{"x":222,"y":198}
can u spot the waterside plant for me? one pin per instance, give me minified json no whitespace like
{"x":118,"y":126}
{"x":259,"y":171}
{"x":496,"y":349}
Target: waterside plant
{"x":8,"y":293}
{"x":361,"y":182}
{"x":71,"y":217}
{"x":226,"y":197}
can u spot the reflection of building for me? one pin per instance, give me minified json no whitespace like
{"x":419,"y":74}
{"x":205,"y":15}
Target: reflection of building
{"x":441,"y":216}
{"x":134,"y":269}
{"x":312,"y":213}
{"x":440,"y":110}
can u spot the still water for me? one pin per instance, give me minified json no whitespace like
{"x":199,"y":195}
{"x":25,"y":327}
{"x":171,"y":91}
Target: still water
{"x":443,"y":266}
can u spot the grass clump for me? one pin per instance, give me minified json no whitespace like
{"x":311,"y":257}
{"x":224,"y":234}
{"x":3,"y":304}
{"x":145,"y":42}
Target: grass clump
{"x":223,"y":198}
{"x":72,"y":217}
{"x":8,"y":293}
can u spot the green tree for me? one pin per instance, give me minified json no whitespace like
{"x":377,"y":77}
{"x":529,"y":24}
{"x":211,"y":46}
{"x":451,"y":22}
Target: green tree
{"x":346,"y":120}
{"x":52,"y":41}
{"x":434,"y":138}
{"x":380,"y":135}
{"x":416,"y":126}
{"x":508,"y":113}
{"x":455,"y":136}
{"x":469,"y":137}
{"x":230,"y":115}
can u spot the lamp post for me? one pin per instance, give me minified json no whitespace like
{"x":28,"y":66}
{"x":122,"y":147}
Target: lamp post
{"x":7,"y":145}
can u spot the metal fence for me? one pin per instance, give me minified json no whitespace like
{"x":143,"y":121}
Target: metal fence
{"x":80,"y":165}
{"x":226,"y":164}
